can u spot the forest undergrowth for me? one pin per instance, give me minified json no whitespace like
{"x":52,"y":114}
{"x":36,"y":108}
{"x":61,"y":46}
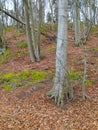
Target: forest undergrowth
{"x":24,"y":104}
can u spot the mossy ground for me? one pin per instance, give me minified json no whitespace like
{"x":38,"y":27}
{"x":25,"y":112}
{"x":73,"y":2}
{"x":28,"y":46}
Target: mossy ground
{"x":93,"y":49}
{"x":47,"y":27}
{"x":8,"y":55}
{"x":25,"y":108}
{"x":75,"y":75}
{"x":89,"y":82}
{"x":22,"y":45}
{"x":94,"y":29}
{"x":10,"y":29}
{"x":53,"y":48}
{"x":12,"y":81}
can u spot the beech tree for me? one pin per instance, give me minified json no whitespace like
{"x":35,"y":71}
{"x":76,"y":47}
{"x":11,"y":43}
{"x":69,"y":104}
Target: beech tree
{"x":2,"y":31}
{"x":77,"y":22}
{"x":16,"y":11}
{"x":28,"y":30}
{"x":62,"y":89}
{"x":51,"y":2}
{"x":33,"y":18}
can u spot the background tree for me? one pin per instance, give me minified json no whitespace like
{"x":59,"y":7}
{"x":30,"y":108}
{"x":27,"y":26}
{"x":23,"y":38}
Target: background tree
{"x":28,"y":30}
{"x":77,"y":22}
{"x":33,"y":22}
{"x":2,"y":30}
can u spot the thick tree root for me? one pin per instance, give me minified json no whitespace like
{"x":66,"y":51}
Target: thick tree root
{"x":60,"y":100}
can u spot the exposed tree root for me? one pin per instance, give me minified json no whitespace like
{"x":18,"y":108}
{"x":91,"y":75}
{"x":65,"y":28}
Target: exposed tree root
{"x":60,"y":98}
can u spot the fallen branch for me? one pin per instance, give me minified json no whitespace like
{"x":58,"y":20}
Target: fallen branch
{"x":7,"y":13}
{"x":23,"y":23}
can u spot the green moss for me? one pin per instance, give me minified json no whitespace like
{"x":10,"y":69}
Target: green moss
{"x":45,"y":28}
{"x":73,"y":60}
{"x":26,"y":78}
{"x":75,"y":75}
{"x":39,"y":76}
{"x":22,"y":45}
{"x":26,"y":52}
{"x":7,"y":56}
{"x":8,"y":88}
{"x":82,"y":25}
{"x":24,"y":75}
{"x":8,"y":76}
{"x":89,"y":82}
{"x":10,"y":29}
{"x":53,"y":48}
{"x":10,"y":81}
{"x":94,"y":29}
{"x":15,"y":80}
{"x":94,"y":49}
{"x":19,"y":54}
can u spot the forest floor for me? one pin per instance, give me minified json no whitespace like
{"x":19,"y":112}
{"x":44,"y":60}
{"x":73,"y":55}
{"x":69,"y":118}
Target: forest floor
{"x":29,"y":108}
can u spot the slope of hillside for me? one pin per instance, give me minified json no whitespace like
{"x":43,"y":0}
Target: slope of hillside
{"x":26,"y":106}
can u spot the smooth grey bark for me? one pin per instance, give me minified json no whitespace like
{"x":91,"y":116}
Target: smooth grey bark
{"x":37,"y":25}
{"x":28,"y":31}
{"x":16,"y":11}
{"x":52,"y":18}
{"x":2,"y":39}
{"x":84,"y":77}
{"x":62,"y":90}
{"x":2,"y":32}
{"x":77,"y":22}
{"x":38,"y":29}
{"x":94,"y":10}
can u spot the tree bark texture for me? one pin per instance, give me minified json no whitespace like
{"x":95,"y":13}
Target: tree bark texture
{"x":62,"y":90}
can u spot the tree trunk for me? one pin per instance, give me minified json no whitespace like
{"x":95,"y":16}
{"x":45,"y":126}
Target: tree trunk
{"x":35,"y":35}
{"x":62,"y":90}
{"x":52,"y":19}
{"x":77,"y":22}
{"x":2,"y":32}
{"x":28,"y":31}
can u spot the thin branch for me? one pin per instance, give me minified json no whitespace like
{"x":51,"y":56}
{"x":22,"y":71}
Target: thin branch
{"x":2,"y":10}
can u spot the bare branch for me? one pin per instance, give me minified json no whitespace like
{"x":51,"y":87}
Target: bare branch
{"x":2,"y":10}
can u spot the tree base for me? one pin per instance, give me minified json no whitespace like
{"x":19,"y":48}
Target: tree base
{"x":60,"y":98}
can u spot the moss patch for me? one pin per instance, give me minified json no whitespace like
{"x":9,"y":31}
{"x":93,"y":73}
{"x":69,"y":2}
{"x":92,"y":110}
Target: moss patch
{"x":75,"y":75}
{"x":12,"y":81}
{"x":53,"y":48}
{"x":22,"y":45}
{"x":10,"y":29}
{"x":94,"y":29}
{"x":8,"y":55}
{"x":73,"y":60}
{"x":89,"y":82}
{"x":39,"y":76}
{"x":8,"y":88}
{"x":93,"y":49}
{"x":45,"y":28}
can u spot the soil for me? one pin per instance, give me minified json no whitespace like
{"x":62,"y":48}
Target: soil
{"x":30,"y":108}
